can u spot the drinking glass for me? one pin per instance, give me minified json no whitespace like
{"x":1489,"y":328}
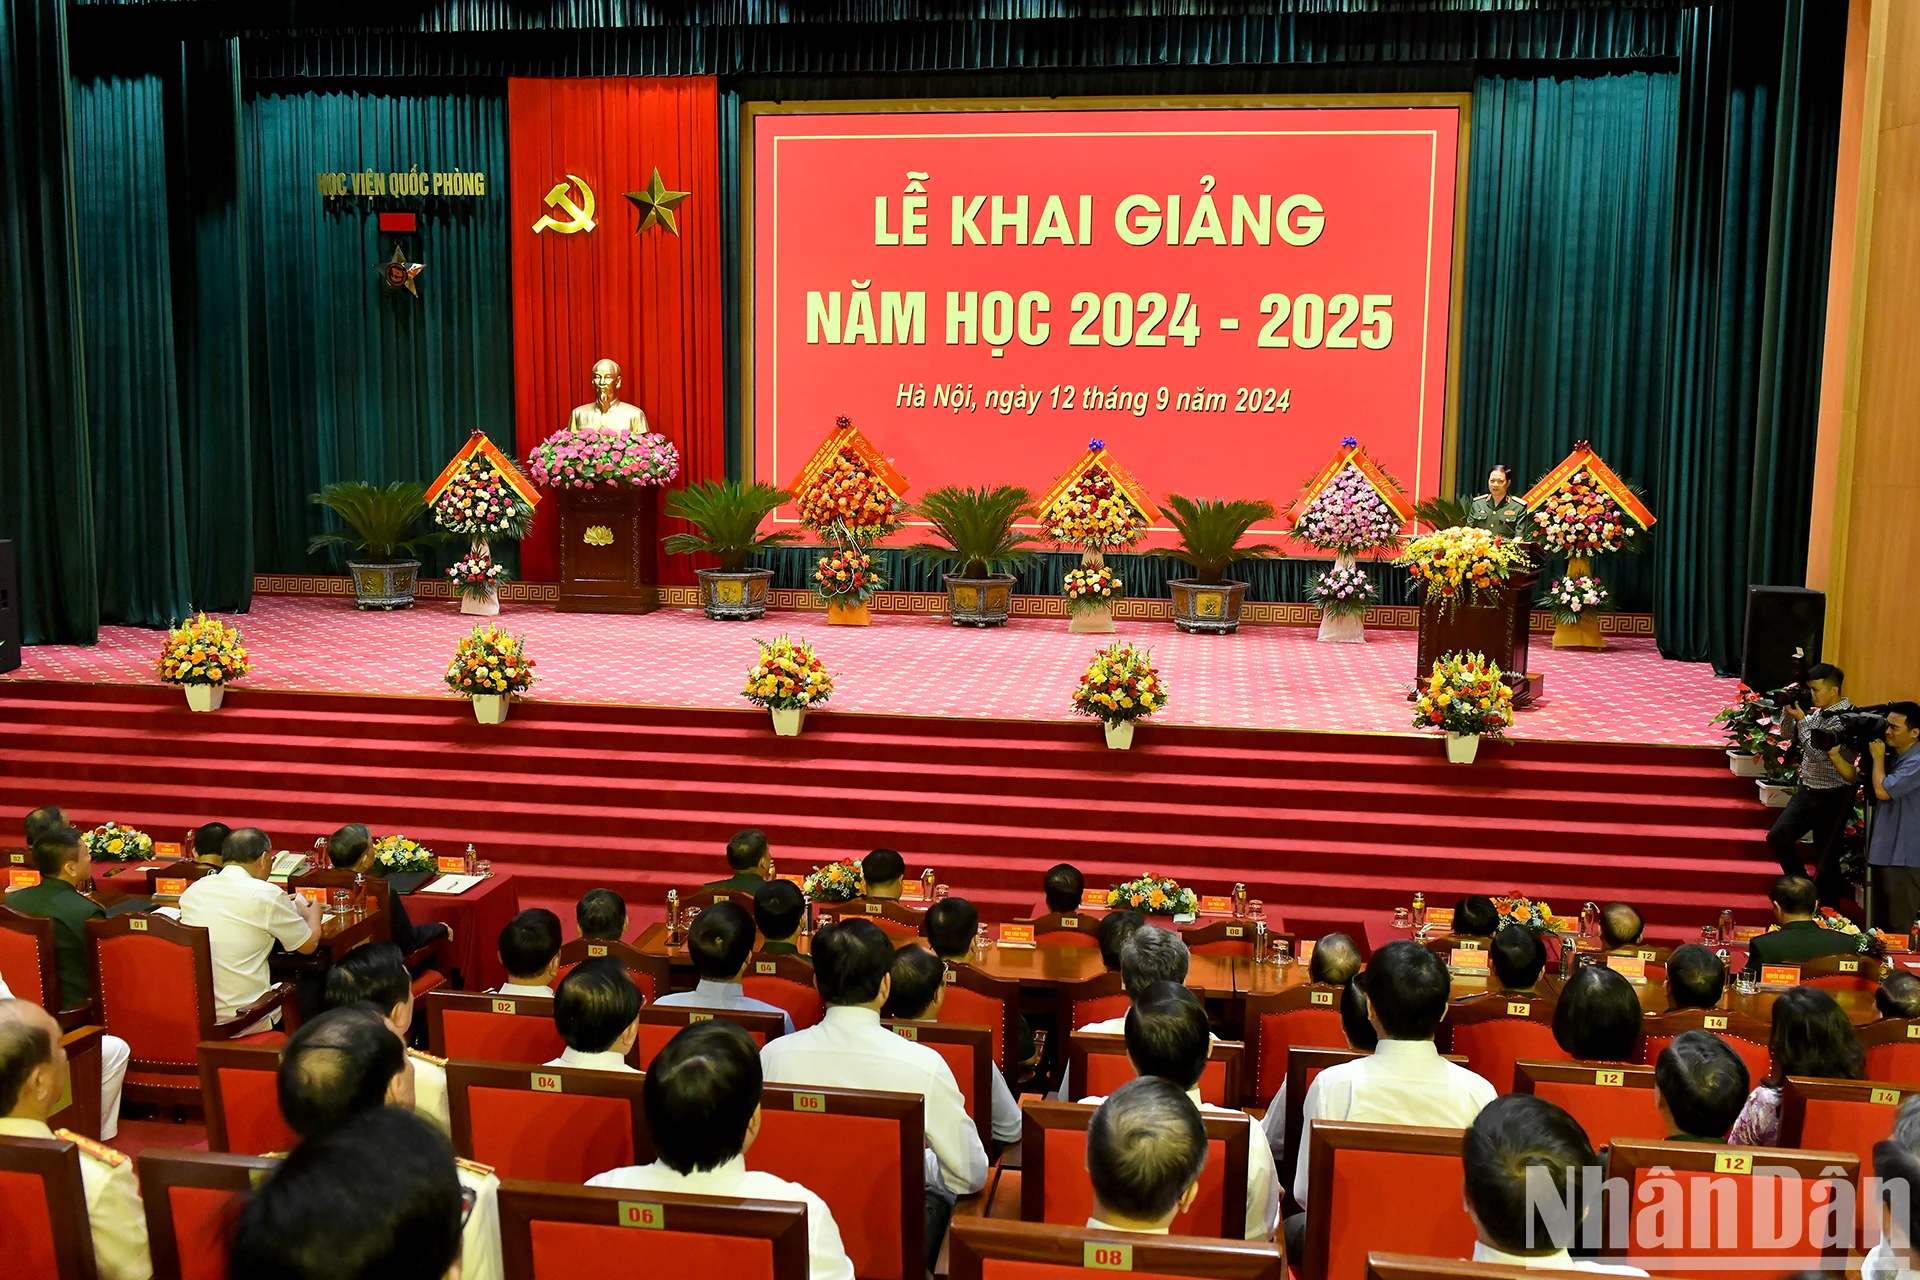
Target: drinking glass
{"x":1709,"y":936}
{"x":939,"y":893}
{"x":1256,"y":910}
{"x":1402,"y":918}
{"x":482,"y":868}
{"x":1282,"y":953}
{"x":342,"y":901}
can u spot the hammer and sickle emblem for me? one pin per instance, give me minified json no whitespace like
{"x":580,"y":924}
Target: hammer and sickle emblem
{"x":579,"y":216}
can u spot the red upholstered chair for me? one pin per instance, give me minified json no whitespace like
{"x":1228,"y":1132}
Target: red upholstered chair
{"x":1095,"y":1000}
{"x":239,"y":1090}
{"x":786,"y":982}
{"x":43,"y":1210}
{"x":650,"y":973}
{"x":553,"y":1232}
{"x":1841,"y":1115}
{"x":699,"y":899}
{"x":979,"y":1249}
{"x":1841,"y":973}
{"x":1496,"y":1031}
{"x":481,"y":1027}
{"x":1054,"y":1187}
{"x":875,"y":1178}
{"x":975,"y":1000}
{"x":1065,"y":929}
{"x":1893,"y":1048}
{"x":968,"y":1052}
{"x":1744,"y":1035}
{"x":895,"y":919}
{"x":1229,"y":938}
{"x":1609,"y":1101}
{"x":191,"y":1198}
{"x":1348,"y":1168}
{"x":27,"y":962}
{"x":547,"y":1124}
{"x":153,"y":984}
{"x":1098,"y":1064}
{"x":1696,"y":1173}
{"x":1308,"y":1014}
{"x":1407,"y":1266}
{"x":657,"y":1026}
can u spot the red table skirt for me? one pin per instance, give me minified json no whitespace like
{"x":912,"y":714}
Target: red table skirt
{"x":476,"y":917}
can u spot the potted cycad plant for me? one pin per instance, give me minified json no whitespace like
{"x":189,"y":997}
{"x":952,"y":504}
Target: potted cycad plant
{"x":1210,"y":531}
{"x":728,"y":514}
{"x":383,"y":523}
{"x":981,"y":543}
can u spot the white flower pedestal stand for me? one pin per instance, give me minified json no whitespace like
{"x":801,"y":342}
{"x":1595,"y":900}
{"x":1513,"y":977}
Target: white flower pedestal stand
{"x":1462,"y":747}
{"x":1119,"y":735}
{"x":1347,"y":628}
{"x":488,"y":605}
{"x":787,"y":721}
{"x":1097,"y":621}
{"x":490,"y":708}
{"x":205,"y":697}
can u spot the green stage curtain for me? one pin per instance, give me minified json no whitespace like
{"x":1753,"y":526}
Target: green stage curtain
{"x":351,"y":380}
{"x":1144,"y":577}
{"x":1564,"y":319}
{"x":132,"y":401}
{"x":46,"y":503}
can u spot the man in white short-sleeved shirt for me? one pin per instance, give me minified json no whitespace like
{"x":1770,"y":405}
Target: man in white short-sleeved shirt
{"x":244,"y":915}
{"x":1149,"y":954}
{"x":1146,"y":1148}
{"x":1515,"y":1148}
{"x":917,"y":990}
{"x":597,"y":1012}
{"x":702,"y":1099}
{"x":849,"y":1049}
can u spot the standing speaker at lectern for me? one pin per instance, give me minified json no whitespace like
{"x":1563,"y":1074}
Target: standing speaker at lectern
{"x":1497,"y":510}
{"x":608,"y":414}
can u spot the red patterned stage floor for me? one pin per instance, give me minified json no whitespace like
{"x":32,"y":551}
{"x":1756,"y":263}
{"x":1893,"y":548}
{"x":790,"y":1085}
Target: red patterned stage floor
{"x":1267,"y":677}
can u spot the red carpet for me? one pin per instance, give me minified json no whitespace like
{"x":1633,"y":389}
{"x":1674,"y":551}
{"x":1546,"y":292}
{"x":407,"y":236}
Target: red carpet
{"x":569,"y":796}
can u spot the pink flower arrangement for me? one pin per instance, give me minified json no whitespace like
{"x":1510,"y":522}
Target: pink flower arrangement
{"x":573,"y":459}
{"x":1342,"y":592}
{"x":1348,"y":515}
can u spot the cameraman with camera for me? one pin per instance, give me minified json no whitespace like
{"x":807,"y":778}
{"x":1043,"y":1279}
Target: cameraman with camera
{"x":1824,"y":800}
{"x":1894,"y":847}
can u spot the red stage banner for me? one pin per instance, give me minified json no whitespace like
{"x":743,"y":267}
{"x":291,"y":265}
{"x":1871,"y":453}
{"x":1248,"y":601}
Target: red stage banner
{"x":587,"y":286}
{"x":1220,"y":294}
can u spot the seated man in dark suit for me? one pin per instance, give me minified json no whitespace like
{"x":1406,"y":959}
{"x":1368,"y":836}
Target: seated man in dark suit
{"x":351,"y":849}
{"x":601,"y":915}
{"x":885,"y":873}
{"x":1702,"y":1086}
{"x":207,"y":839}
{"x":750,"y":860}
{"x":1695,"y":978}
{"x":1799,"y":937}
{"x":778,"y":909}
{"x":1063,"y":886}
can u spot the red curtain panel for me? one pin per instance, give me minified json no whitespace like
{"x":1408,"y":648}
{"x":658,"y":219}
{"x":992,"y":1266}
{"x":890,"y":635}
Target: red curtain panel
{"x":650,"y":302}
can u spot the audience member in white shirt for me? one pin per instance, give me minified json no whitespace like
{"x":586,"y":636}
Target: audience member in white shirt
{"x":1516,"y":1148}
{"x":378,"y":1195}
{"x":1357,"y":1024}
{"x":376,"y":974}
{"x":721,"y":944}
{"x":33,"y":1078}
{"x":1897,"y":1256}
{"x":244,"y":915}
{"x":1167,"y":1037}
{"x":335,"y":1069}
{"x":597,"y":1012}
{"x":530,"y":953}
{"x":702,"y":1099}
{"x":1146,"y":1146}
{"x":1405,"y":1080}
{"x":849,"y":1049}
{"x":919,"y":988}
{"x":1148,"y":955}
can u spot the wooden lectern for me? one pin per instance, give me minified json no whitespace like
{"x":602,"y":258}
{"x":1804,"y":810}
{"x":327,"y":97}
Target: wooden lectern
{"x":609,"y":549}
{"x":1500,"y":630}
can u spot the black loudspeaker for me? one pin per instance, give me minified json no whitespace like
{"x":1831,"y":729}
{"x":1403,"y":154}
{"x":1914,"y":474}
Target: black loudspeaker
{"x":1781,"y":620}
{"x":9,"y":609}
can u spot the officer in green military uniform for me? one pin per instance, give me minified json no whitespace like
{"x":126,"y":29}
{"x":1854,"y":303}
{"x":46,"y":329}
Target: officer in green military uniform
{"x":751,"y":862}
{"x":1497,"y":510}
{"x":64,"y":865}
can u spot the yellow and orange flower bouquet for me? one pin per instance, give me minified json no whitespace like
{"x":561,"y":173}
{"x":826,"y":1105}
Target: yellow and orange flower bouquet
{"x":789,"y":676}
{"x":203,"y":650}
{"x":1465,"y":694}
{"x":1459,"y":563}
{"x":490,"y":663}
{"x":1154,"y":895}
{"x":111,"y":842}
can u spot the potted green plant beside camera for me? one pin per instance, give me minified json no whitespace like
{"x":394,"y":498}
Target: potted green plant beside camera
{"x":383,"y":523}
{"x":727,"y":514}
{"x":1210,"y":530}
{"x":981,"y":543}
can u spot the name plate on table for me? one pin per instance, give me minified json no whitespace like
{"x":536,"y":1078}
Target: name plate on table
{"x":18,"y":879}
{"x":1747,"y":932}
{"x":169,"y":886}
{"x":453,"y":866}
{"x":1093,"y":897}
{"x":1779,"y":975}
{"x":1440,"y":917}
{"x":1016,"y":935}
{"x":1306,"y":949}
{"x":1632,"y":968}
{"x":1584,"y":943}
{"x":1895,"y":943}
{"x":913,"y":891}
{"x":1216,"y":906}
{"x":312,"y":894}
{"x":165,"y":850}
{"x":1465,"y":961}
{"x":797,"y":881}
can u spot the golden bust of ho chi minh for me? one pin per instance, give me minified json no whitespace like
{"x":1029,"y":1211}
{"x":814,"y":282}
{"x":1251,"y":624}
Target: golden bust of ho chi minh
{"x":608,"y":414}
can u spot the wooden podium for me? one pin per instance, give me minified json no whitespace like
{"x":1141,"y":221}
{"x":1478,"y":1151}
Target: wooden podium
{"x":1499,"y":630}
{"x":609,"y":549}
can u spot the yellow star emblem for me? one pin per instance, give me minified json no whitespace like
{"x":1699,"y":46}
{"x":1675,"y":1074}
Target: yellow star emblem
{"x":398,"y":273}
{"x":656,"y":204}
